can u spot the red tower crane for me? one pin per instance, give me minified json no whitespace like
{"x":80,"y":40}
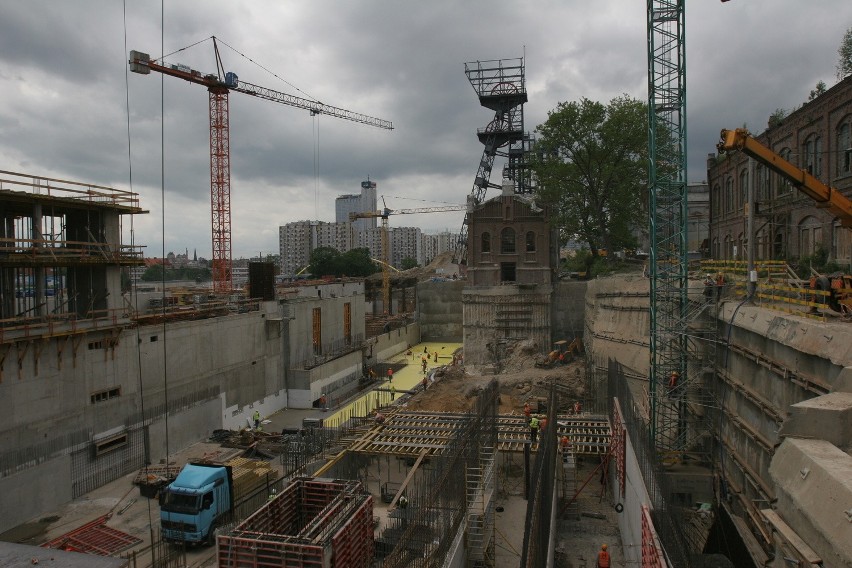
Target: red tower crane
{"x":219,"y":85}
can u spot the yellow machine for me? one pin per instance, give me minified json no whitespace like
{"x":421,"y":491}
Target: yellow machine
{"x":829,"y":198}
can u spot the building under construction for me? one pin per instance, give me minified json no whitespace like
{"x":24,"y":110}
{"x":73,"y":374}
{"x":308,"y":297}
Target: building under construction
{"x":742,"y":451}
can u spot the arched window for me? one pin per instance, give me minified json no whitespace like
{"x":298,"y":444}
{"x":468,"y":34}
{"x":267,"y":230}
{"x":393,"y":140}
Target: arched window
{"x":810,"y":235}
{"x":784,"y":186}
{"x":717,"y":200}
{"x":778,"y":251}
{"x":744,"y":189}
{"x":507,"y":240}
{"x":761,"y":178}
{"x":486,"y":242}
{"x":812,"y":152}
{"x":530,"y":241}
{"x":844,"y":147}
{"x":729,"y":195}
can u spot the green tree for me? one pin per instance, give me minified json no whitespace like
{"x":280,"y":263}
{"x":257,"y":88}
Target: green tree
{"x":844,"y":56}
{"x":777,"y":118}
{"x":357,"y":262}
{"x":325,"y":261}
{"x":328,"y":261}
{"x":408,"y":263}
{"x":158,"y":272}
{"x":591,"y":162}
{"x":818,"y":90}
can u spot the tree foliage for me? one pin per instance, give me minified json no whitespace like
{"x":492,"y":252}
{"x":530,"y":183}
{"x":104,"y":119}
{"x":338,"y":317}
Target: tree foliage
{"x":591,"y":164}
{"x":408,"y":263}
{"x":817,"y":91}
{"x":158,"y":273}
{"x":328,"y":261}
{"x":844,"y":56}
{"x":777,"y":118}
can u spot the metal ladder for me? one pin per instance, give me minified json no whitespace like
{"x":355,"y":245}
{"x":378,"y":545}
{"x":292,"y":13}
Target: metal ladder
{"x":568,"y":472}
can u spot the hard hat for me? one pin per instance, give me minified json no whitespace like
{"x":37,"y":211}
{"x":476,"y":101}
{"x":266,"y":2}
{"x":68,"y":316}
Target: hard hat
{"x":709,"y":276}
{"x":274,"y":491}
{"x":603,"y":546}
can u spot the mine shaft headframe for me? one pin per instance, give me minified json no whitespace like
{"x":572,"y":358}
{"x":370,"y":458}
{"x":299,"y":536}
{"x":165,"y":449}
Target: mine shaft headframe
{"x":499,"y":83}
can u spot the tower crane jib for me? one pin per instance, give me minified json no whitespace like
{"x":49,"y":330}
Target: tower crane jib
{"x":219,"y":85}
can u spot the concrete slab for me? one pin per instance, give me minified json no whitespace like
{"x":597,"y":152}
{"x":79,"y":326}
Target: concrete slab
{"x":827,"y":417}
{"x":814,"y":488}
{"x":21,"y":555}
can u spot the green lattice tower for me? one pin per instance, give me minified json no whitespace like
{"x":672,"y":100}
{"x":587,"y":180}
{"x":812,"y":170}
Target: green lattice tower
{"x":667,"y":217}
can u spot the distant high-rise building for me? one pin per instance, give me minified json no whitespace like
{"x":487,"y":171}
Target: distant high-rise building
{"x":357,"y":203}
{"x":371,"y":239}
{"x":405,"y":242}
{"x":295,"y":246}
{"x":433,"y":245}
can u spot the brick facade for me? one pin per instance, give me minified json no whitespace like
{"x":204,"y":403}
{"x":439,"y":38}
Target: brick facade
{"x":510,"y":240}
{"x":788,"y":225}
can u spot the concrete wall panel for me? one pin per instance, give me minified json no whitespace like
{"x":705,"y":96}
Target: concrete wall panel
{"x":567,"y":308}
{"x":184,"y":428}
{"x":438,"y":310}
{"x":630,"y":519}
{"x":44,"y":487}
{"x":814,"y":480}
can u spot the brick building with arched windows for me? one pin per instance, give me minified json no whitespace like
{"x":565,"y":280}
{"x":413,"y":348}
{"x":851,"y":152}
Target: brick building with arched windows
{"x":788,"y":224}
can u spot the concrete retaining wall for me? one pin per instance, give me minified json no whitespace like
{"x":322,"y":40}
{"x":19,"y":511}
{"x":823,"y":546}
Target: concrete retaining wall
{"x":814,"y":486}
{"x":567,"y":309}
{"x":44,"y":487}
{"x":396,"y":341}
{"x":630,"y":519}
{"x":306,"y":385}
{"x":439,"y":310}
{"x":184,"y":428}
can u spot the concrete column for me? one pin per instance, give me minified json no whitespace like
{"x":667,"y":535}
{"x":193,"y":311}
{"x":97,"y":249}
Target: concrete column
{"x":38,"y":273}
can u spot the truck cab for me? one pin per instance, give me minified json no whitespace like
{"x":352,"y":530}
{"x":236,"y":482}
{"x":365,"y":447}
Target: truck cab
{"x":194,"y":503}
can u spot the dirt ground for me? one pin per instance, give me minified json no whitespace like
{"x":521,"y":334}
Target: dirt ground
{"x":455,"y":387}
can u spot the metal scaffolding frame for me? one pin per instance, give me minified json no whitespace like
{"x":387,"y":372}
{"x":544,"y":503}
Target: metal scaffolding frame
{"x":667,"y":193}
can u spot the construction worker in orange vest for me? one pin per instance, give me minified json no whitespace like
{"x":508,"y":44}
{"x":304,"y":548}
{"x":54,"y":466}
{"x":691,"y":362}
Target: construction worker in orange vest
{"x":603,"y":557}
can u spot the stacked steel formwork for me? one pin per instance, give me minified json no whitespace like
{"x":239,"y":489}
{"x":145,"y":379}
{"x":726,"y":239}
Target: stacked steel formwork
{"x":315,"y":523}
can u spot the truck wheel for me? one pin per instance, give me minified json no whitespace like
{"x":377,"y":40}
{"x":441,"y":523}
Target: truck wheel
{"x":211,"y":536}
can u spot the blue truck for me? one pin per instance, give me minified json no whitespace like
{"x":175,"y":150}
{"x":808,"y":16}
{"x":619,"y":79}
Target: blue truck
{"x":195,"y":504}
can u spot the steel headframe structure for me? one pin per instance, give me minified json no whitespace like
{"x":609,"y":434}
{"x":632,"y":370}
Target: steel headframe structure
{"x":667,"y":212}
{"x":501,"y":86}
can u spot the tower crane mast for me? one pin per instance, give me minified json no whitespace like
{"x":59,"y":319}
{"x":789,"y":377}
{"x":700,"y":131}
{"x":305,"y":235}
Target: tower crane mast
{"x":219,"y":85}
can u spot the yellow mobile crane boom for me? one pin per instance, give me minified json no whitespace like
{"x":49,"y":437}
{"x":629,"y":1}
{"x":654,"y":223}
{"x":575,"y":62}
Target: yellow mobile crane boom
{"x":826,"y":196}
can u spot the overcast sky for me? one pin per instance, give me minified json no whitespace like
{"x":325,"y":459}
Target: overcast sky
{"x":64,"y":94}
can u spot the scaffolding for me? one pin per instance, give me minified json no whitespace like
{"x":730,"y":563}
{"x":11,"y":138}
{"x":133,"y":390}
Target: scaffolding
{"x":61,"y":251}
{"x":667,"y":199}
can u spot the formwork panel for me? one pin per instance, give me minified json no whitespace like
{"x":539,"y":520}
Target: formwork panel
{"x":309,"y":524}
{"x":262,"y":552}
{"x":353,"y":544}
